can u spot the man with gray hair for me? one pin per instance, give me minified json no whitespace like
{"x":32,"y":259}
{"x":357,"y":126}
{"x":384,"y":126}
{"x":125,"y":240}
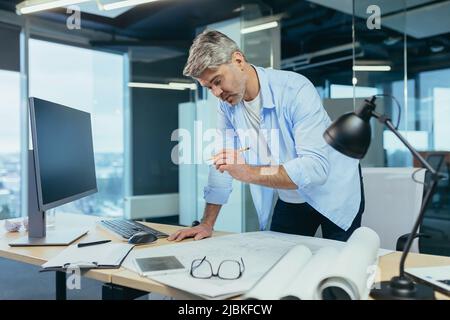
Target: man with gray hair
{"x":316,"y":185}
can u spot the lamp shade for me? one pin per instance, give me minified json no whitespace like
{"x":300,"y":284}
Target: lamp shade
{"x":350,"y":134}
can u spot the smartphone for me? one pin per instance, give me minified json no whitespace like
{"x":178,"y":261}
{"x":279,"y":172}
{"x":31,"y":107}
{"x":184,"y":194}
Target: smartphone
{"x":149,"y":266}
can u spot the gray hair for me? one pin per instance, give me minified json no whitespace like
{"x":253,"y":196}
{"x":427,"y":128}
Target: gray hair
{"x":209,"y":50}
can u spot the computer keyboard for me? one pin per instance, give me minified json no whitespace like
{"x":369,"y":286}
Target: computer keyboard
{"x":127,"y":228}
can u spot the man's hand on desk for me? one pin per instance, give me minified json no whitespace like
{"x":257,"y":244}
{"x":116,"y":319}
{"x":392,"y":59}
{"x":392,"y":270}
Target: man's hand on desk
{"x":198,"y":232}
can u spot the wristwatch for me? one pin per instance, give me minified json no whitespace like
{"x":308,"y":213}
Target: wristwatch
{"x":195,"y":223}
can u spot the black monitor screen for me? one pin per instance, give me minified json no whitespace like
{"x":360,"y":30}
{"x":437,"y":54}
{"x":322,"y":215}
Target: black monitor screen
{"x":64,"y":156}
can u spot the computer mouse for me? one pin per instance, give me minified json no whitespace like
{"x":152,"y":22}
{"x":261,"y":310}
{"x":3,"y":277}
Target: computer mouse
{"x":142,"y":238}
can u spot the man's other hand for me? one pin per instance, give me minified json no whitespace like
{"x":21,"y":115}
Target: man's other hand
{"x":198,"y":232}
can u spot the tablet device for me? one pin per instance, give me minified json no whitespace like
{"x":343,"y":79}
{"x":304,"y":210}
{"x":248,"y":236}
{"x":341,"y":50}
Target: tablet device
{"x":148,"y":266}
{"x":436,"y":277}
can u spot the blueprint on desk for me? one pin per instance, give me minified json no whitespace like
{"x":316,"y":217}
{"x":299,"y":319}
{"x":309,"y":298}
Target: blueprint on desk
{"x":259,"y":250}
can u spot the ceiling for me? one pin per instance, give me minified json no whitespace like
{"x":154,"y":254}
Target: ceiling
{"x":167,"y":27}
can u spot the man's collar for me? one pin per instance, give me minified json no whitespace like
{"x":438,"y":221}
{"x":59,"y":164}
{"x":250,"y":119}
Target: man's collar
{"x":266,"y":95}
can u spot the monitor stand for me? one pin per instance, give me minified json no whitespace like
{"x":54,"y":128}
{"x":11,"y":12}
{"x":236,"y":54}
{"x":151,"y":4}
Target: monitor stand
{"x":52,"y":238}
{"x":37,"y":233}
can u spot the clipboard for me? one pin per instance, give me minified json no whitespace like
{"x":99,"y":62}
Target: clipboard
{"x":105,"y":256}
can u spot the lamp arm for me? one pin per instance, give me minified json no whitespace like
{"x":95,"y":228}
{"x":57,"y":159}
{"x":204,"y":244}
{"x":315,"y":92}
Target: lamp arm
{"x":435,"y":177}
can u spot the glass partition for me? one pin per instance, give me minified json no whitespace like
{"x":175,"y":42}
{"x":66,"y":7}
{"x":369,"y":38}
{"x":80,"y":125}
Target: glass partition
{"x":9,"y":144}
{"x":92,"y":81}
{"x":409,"y":41}
{"x":380,"y":66}
{"x":260,"y":35}
{"x":10,"y":112}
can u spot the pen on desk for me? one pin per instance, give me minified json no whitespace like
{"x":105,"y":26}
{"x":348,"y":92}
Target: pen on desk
{"x":239,"y":150}
{"x":85,"y":244}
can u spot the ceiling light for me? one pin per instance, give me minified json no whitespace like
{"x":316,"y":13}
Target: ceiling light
{"x":31,"y":6}
{"x":371,"y":68}
{"x":191,"y":86}
{"x":437,"y":48}
{"x":239,"y":9}
{"x":391,"y":41}
{"x":124,"y":3}
{"x":169,"y":86}
{"x":259,"y":27}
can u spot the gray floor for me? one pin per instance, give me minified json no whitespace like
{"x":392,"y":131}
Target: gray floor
{"x":20,"y":281}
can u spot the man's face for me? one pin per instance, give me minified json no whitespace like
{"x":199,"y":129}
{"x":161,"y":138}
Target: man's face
{"x":226,"y":82}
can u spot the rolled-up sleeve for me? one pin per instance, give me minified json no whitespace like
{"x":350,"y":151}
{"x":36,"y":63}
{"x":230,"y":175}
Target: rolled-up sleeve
{"x":220,"y":184}
{"x":309,"y":122}
{"x":219,"y":187}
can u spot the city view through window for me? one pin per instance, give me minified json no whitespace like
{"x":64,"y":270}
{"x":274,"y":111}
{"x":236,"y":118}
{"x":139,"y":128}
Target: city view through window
{"x":9,"y":144}
{"x":93,"y":84}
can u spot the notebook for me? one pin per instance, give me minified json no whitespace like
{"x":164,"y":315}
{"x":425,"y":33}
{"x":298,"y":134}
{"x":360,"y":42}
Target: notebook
{"x":104,"y":256}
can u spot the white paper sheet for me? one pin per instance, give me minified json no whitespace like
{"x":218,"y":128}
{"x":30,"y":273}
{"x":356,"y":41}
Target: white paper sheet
{"x":279,"y":277}
{"x":355,"y":267}
{"x":305,"y":284}
{"x":346,"y":266}
{"x":259,"y":250}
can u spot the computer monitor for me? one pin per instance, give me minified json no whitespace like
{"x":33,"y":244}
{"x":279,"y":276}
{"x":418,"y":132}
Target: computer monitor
{"x":61,"y":168}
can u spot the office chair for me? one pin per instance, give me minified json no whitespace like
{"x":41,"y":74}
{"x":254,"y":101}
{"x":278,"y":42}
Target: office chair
{"x":427,"y":234}
{"x":437,"y":161}
{"x":393,"y":201}
{"x":443,"y":187}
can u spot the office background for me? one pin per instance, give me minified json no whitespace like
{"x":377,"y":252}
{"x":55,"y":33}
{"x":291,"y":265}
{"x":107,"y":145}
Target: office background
{"x":91,"y":69}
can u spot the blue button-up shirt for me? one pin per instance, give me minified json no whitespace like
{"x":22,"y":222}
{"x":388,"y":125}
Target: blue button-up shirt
{"x":293,"y":121}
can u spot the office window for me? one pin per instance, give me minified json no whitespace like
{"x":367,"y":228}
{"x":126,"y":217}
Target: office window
{"x":343,"y":91}
{"x":91,"y":81}
{"x":441,"y":110}
{"x":9,"y":144}
{"x":321,"y":92}
{"x":425,"y":120}
{"x":397,"y":155}
{"x":434,"y":105}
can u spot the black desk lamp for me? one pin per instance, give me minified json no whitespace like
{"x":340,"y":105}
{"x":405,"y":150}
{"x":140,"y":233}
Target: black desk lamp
{"x":350,"y":135}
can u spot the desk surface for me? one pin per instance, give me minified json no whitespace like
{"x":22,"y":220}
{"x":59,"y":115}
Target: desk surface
{"x":39,"y":255}
{"x":388,"y":265}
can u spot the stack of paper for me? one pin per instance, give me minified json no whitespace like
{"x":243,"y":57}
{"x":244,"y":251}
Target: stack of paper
{"x":330,"y":273}
{"x":259,"y":250}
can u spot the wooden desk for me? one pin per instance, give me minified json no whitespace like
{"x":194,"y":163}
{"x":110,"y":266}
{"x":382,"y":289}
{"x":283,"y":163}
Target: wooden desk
{"x":388,"y":267}
{"x":124,"y":279}
{"x":39,"y":255}
{"x":425,"y":154}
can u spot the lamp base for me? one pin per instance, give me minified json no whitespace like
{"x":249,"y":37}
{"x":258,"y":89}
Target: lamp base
{"x":402,"y":288}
